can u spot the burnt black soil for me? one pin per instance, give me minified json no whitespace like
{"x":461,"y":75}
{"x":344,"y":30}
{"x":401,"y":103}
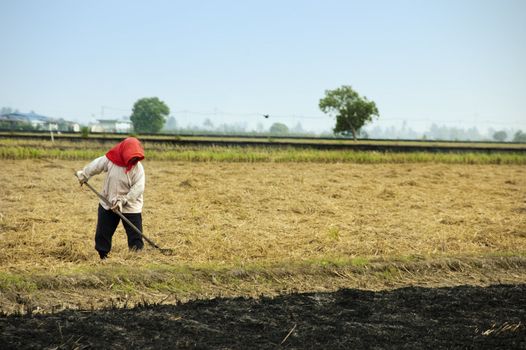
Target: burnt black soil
{"x":416,"y":318}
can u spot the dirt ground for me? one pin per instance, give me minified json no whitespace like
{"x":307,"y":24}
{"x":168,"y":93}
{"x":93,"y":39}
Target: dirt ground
{"x":463,"y":317}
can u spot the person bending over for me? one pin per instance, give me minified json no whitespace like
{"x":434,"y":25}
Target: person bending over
{"x":123,"y":187}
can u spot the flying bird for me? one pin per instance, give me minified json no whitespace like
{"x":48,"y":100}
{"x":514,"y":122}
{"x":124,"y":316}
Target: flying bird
{"x":265,"y":116}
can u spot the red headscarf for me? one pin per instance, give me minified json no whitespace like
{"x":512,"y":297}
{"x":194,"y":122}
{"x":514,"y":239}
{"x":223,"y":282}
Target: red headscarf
{"x":123,"y":153}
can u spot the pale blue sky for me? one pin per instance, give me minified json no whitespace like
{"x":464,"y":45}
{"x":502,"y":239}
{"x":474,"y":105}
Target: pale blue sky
{"x":460,"y":63}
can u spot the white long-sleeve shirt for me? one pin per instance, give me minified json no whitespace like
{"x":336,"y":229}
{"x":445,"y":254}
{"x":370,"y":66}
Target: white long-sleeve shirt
{"x":119,"y":184}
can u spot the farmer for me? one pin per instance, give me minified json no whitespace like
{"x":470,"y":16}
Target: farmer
{"x":123,"y":187}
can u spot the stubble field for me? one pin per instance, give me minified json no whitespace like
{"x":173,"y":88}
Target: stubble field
{"x":235,"y":218}
{"x":251,"y":229}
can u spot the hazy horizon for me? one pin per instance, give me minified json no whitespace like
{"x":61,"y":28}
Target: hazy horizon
{"x":453,"y":63}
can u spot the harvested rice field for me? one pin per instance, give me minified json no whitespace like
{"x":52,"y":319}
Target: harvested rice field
{"x":263,"y":229}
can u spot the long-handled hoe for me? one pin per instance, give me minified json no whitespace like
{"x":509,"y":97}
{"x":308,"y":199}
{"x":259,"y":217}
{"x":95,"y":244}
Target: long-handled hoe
{"x":164,"y":251}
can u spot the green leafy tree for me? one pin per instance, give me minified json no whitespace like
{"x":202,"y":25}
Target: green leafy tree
{"x":149,"y":115}
{"x":351,"y":110}
{"x":171,"y":124}
{"x":84,"y":132}
{"x":279,"y":128}
{"x":6,"y":110}
{"x":519,"y":137}
{"x":500,"y":136}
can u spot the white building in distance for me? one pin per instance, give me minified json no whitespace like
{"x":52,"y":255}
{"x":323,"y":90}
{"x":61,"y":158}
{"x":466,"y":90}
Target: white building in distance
{"x":121,"y":126}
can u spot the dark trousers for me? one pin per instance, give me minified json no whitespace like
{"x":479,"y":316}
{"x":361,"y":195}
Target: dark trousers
{"x":107,"y":224}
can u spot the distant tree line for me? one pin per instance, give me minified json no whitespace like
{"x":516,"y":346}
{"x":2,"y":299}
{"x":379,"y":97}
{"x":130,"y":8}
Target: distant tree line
{"x":436,"y":132}
{"x":351,"y":111}
{"x":519,"y":137}
{"x":277,"y":129}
